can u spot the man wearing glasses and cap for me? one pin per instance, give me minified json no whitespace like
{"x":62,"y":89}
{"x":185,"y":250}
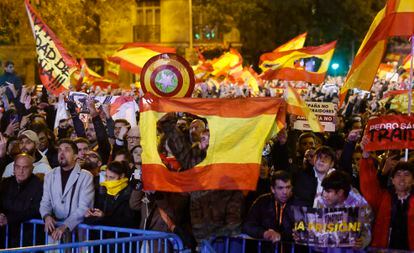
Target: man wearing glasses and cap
{"x":29,"y":143}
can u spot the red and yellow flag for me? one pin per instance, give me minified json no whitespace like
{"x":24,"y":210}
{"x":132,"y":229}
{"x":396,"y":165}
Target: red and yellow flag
{"x":133,"y":56}
{"x":308,"y":64}
{"x":252,"y":79}
{"x":293,"y":44}
{"x":297,"y":106}
{"x":229,"y":63}
{"x":395,"y":19}
{"x":384,"y":69}
{"x":406,"y":64}
{"x":238,"y":130}
{"x":55,"y":64}
{"x":112,"y":70}
{"x":91,"y":78}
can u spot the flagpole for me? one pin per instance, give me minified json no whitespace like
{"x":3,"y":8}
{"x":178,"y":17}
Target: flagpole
{"x":410,"y":87}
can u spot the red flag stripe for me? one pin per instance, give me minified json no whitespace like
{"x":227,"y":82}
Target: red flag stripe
{"x":209,"y":107}
{"x":157,"y":177}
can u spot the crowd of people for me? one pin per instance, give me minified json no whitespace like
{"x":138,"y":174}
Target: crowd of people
{"x":90,"y":172}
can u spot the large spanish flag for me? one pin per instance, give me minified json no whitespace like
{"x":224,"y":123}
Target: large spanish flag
{"x":55,"y":64}
{"x":395,"y":19}
{"x":238,"y":130}
{"x":133,"y":56}
{"x":299,"y":65}
{"x":293,"y":44}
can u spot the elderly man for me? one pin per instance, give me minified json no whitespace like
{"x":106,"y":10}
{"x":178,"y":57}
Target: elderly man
{"x":133,"y":137}
{"x":29,"y":143}
{"x":68,"y":192}
{"x":20,"y":197}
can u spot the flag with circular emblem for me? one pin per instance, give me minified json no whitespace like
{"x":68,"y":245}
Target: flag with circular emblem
{"x":167,"y":75}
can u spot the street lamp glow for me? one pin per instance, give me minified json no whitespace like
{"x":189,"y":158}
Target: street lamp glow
{"x":335,"y":66}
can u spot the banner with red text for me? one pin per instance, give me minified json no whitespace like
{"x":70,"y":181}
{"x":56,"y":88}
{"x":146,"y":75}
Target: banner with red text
{"x":390,"y":132}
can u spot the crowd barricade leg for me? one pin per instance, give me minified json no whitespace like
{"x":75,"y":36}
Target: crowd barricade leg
{"x":92,"y":239}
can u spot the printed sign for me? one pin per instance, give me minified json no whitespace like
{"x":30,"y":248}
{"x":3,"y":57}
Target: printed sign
{"x":390,"y":132}
{"x":327,"y":227}
{"x":326,"y":115}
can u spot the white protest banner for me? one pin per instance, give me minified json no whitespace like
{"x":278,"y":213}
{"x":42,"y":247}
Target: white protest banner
{"x":324,"y":111}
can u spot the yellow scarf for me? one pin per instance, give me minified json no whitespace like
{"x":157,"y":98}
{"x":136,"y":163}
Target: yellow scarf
{"x":113,"y":187}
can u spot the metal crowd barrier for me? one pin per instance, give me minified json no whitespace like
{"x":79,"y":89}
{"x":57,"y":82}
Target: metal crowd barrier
{"x":88,"y":238}
{"x":243,"y":243}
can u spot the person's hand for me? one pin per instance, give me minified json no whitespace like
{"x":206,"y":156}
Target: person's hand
{"x":49,"y":224}
{"x":25,"y":120}
{"x":3,"y":219}
{"x":57,"y":234}
{"x":354,"y":135}
{"x":89,"y":213}
{"x":97,"y":213}
{"x":390,"y":163}
{"x":3,"y":146}
{"x":106,"y":108}
{"x":91,"y":106}
{"x":11,"y":88}
{"x":12,"y":128}
{"x":363,"y":143}
{"x":271,"y":235}
{"x":71,"y":108}
{"x":27,"y":101}
{"x":62,"y":97}
{"x":295,"y":236}
{"x":359,"y":243}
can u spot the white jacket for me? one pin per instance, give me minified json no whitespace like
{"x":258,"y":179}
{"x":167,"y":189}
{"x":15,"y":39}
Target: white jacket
{"x":70,"y":205}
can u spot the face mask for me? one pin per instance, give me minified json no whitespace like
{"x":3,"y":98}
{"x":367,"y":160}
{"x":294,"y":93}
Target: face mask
{"x":113,"y":187}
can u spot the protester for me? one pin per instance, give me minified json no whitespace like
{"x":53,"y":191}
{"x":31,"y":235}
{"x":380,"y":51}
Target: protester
{"x":112,"y":205}
{"x":28,"y":143}
{"x":20,"y":197}
{"x":268,"y":217}
{"x":394,"y":208}
{"x":31,"y":121}
{"x":68,"y":192}
{"x":337,"y":193}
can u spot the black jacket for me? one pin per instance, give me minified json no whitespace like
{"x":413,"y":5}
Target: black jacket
{"x":20,"y":202}
{"x":304,"y":186}
{"x":116,"y":209}
{"x":262,"y":216}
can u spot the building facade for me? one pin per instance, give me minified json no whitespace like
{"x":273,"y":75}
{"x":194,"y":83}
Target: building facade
{"x":163,"y":22}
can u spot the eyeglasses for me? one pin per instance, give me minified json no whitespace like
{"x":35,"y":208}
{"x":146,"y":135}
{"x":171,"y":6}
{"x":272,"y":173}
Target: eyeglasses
{"x":133,"y":138}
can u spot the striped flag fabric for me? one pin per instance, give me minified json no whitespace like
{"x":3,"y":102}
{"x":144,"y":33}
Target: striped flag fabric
{"x":227,"y":64}
{"x":297,"y":106}
{"x":308,"y":64}
{"x":293,"y":44}
{"x":133,"y":56}
{"x":56,"y":66}
{"x":395,"y":19}
{"x":238,"y":130}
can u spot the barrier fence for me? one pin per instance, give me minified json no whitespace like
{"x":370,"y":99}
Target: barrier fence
{"x":246,"y":244}
{"x":87,"y":238}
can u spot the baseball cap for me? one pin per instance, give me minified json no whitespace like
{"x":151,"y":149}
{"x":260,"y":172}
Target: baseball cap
{"x":31,"y":135}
